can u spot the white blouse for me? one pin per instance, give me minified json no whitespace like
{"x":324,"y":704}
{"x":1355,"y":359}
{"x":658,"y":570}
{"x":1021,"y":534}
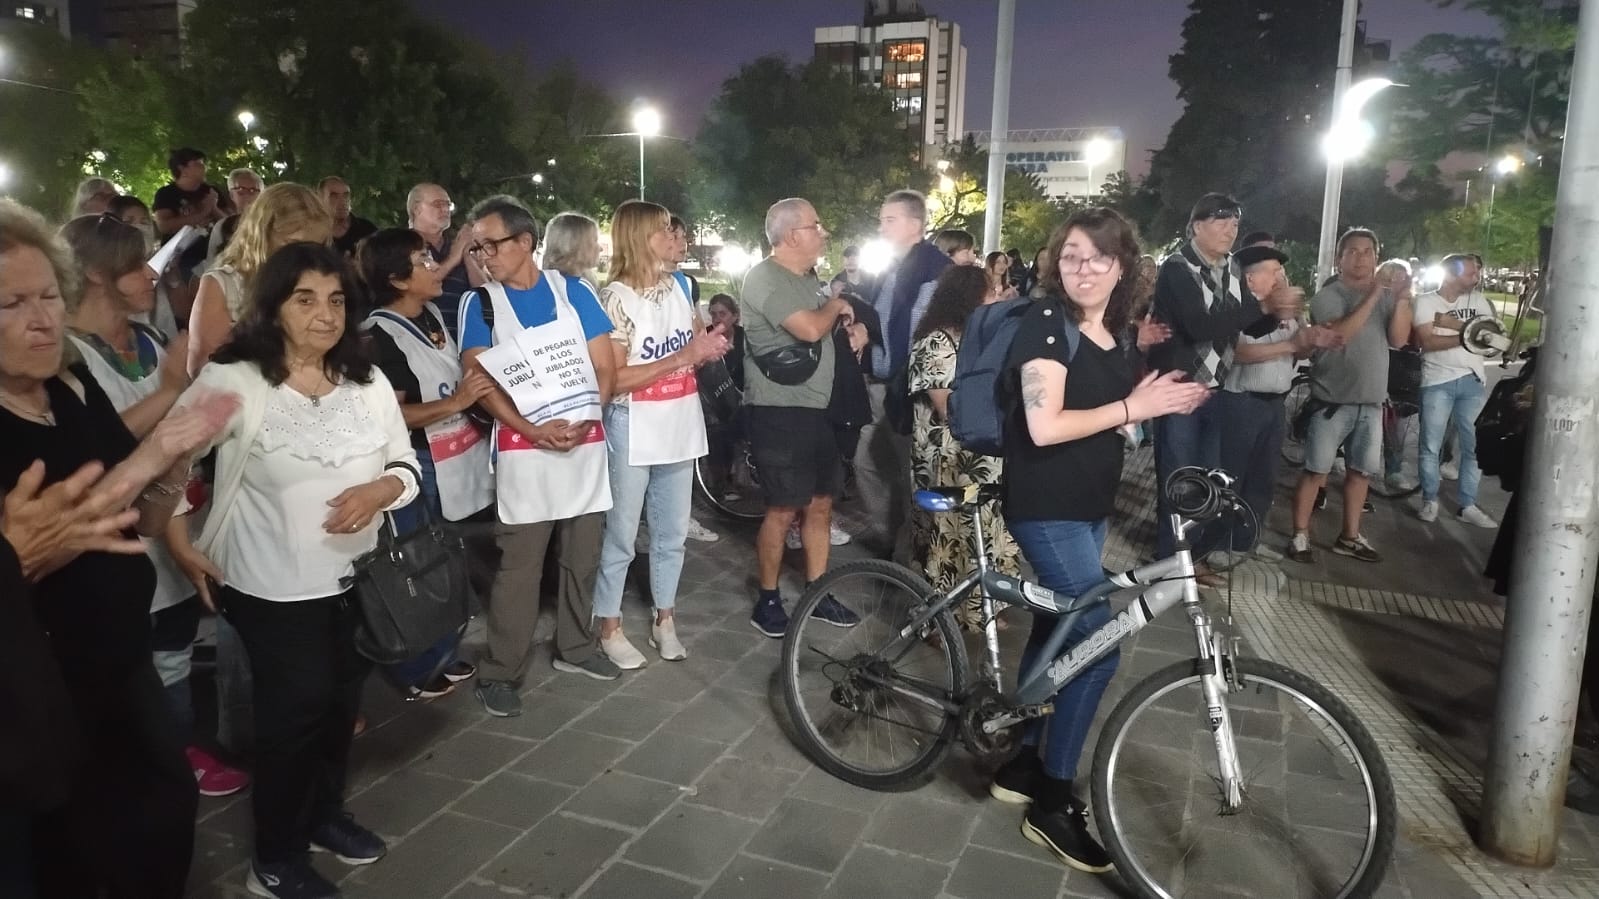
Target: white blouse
{"x":304,"y":455}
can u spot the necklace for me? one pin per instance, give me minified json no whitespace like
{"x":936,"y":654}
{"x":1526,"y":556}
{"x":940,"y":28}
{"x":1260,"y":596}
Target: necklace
{"x":15,"y":404}
{"x":314,"y":394}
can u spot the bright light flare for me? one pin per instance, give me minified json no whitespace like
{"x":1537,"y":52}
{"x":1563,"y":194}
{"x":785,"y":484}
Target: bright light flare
{"x":246,"y":119}
{"x":876,"y":256}
{"x":735,"y":260}
{"x":1097,"y":151}
{"x":647,"y":121}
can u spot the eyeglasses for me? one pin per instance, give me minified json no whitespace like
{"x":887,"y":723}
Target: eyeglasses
{"x":1226,"y":212}
{"x":244,"y":189}
{"x":441,"y":205}
{"x":1098,"y":263}
{"x":490,"y":248}
{"x":820,"y":228}
{"x":426,"y":261}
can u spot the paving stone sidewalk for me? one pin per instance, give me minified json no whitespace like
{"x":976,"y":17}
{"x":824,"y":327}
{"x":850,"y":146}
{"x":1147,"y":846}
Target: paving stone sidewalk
{"x":678,"y":781}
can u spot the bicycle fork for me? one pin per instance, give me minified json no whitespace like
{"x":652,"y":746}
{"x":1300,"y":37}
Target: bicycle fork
{"x":1218,"y":678}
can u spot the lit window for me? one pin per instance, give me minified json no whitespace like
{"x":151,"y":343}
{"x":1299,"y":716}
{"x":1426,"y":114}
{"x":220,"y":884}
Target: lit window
{"x":908,"y":80}
{"x":25,"y":12}
{"x":906,"y":51}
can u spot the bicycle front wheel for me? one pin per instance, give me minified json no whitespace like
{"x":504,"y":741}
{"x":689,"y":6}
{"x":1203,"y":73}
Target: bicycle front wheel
{"x":1401,"y":451}
{"x":731,"y":486}
{"x":869,"y":706}
{"x":1318,"y":816}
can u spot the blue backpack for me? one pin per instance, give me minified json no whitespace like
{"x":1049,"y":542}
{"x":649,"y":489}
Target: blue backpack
{"x":982,"y":393}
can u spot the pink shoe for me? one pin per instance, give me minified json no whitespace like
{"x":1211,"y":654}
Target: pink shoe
{"x":215,"y":778}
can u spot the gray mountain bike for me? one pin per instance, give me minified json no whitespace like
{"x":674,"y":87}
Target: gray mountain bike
{"x":1216,"y":775}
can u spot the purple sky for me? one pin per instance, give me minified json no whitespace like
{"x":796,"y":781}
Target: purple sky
{"x":1077,"y":62}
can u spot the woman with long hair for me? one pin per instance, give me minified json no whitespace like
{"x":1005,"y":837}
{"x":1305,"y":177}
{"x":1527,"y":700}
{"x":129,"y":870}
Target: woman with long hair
{"x":997,"y":267}
{"x":112,"y":808}
{"x":1063,"y":464}
{"x":285,"y":213}
{"x":944,"y":542}
{"x":317,"y":452}
{"x":142,"y":372}
{"x":654,"y":429}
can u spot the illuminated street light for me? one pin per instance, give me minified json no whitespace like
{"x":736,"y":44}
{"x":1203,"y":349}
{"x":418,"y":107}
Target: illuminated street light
{"x":5,"y":175}
{"x":246,"y":119}
{"x":538,"y":177}
{"x":1096,"y":152}
{"x":646,"y":123}
{"x":876,"y":256}
{"x":943,"y":165}
{"x":1348,"y":137}
{"x":552,"y":163}
{"x":1508,"y":165}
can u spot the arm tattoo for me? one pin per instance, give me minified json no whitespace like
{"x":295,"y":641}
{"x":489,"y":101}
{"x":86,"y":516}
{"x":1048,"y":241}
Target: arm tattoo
{"x":1032,"y":388}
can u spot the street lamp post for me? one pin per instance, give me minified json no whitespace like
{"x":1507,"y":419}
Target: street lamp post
{"x":246,"y":119}
{"x":1097,"y":151}
{"x":1504,"y":167}
{"x":647,"y":123}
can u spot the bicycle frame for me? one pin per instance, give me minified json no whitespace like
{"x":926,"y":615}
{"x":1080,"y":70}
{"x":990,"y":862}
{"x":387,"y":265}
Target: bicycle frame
{"x":1170,"y":581}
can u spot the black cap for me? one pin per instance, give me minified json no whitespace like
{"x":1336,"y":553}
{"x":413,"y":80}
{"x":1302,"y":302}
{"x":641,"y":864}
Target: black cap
{"x":1215,"y":206}
{"x":1251,"y":255}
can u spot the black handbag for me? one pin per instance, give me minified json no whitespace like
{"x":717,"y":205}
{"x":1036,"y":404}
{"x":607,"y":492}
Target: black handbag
{"x":791,"y":365}
{"x":719,"y":396}
{"x":412,"y":590}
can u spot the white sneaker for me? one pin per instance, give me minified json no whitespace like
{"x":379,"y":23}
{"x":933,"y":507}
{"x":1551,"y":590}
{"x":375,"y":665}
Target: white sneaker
{"x":1429,"y":510}
{"x":663,"y":636}
{"x":792,"y":541}
{"x":837,"y":535}
{"x":1266,"y":553}
{"x":623,"y":653}
{"x":1474,"y":515}
{"x":1398,"y":483}
{"x":1449,"y":471}
{"x":700,"y":532}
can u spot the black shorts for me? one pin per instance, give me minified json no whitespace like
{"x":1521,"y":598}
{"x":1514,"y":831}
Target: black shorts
{"x":796,"y":454}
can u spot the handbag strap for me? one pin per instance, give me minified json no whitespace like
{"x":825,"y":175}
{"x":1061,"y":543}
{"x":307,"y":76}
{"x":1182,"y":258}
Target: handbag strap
{"x":428,"y":521}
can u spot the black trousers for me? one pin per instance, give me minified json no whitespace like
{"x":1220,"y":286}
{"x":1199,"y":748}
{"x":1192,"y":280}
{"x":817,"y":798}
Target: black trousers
{"x":128,"y":828}
{"x":307,"y":691}
{"x":1251,"y":451}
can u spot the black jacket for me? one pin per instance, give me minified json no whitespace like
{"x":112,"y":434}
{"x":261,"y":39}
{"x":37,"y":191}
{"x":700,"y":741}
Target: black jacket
{"x":850,"y":408}
{"x":1180,"y":303}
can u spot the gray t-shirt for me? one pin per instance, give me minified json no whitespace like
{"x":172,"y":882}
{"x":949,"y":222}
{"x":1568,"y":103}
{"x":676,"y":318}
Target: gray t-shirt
{"x":771,"y":294}
{"x":1357,"y":373}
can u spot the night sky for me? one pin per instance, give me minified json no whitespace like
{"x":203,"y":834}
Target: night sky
{"x":1077,"y":62}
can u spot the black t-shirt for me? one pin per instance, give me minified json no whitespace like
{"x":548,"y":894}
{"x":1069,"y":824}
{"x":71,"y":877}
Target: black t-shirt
{"x":360,"y":229}
{"x":392,"y":362}
{"x":183,"y":202}
{"x":96,"y":609}
{"x":1077,"y":480}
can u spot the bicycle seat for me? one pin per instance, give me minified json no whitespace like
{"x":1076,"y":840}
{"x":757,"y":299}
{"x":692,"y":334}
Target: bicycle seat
{"x":951,"y":499}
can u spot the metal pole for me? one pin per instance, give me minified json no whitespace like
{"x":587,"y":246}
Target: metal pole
{"x":999,"y":124}
{"x":1331,"y":193}
{"x":641,"y":165}
{"x":1488,"y":222}
{"x":1551,"y":585}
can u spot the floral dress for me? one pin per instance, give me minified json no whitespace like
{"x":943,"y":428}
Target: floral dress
{"x":944,"y":542}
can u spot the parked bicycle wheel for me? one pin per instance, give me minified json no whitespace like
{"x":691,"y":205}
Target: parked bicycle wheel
{"x":1318,"y":818}
{"x":731,"y":485}
{"x":1401,"y":451}
{"x":1293,"y":425}
{"x":868,"y":705}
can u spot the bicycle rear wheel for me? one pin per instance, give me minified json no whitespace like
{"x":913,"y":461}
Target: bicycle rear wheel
{"x":1293,"y":430}
{"x":865,"y":702}
{"x":735,"y":492}
{"x":1318,"y":818}
{"x":1401,"y":451}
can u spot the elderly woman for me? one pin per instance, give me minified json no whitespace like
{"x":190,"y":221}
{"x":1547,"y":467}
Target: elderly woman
{"x":654,"y":428}
{"x":413,"y":349}
{"x":317,"y":452}
{"x":92,"y":197}
{"x":123,"y":823}
{"x":285,"y":213}
{"x":142,"y":373}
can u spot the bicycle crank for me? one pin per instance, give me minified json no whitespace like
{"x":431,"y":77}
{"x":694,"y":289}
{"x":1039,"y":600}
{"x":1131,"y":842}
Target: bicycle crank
{"x":988,"y":724}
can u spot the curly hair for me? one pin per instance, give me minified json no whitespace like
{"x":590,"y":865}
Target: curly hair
{"x":258,"y":337}
{"x":1112,"y":235}
{"x":956,"y":294}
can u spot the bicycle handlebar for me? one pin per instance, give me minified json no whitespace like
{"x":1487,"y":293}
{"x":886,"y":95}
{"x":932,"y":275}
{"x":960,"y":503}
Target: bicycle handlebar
{"x":1201,"y":494}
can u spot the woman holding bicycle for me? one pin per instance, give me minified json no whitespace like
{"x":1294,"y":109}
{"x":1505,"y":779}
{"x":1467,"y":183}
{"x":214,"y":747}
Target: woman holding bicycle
{"x":1063,"y":461}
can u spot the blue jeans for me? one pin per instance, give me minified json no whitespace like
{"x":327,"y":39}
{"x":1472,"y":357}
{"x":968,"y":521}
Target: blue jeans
{"x":1459,"y":401}
{"x":665,"y":493}
{"x":1066,"y":557}
{"x":1180,"y":441}
{"x":416,"y":672}
{"x":1251,"y":451}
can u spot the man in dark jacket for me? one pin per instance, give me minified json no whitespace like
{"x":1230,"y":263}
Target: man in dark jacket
{"x":903,"y":293}
{"x":1199,"y":295}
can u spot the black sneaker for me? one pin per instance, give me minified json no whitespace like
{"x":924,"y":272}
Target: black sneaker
{"x":348,"y":841}
{"x":294,"y":879}
{"x":1065,"y":833}
{"x":460,"y":671}
{"x":499,"y":698}
{"x":1367,"y":507}
{"x":439,"y":686}
{"x":596,"y":666}
{"x":770,"y":618}
{"x":1321,"y":498}
{"x":1356,"y":548}
{"x":831,"y":611}
{"x":1017,"y":781}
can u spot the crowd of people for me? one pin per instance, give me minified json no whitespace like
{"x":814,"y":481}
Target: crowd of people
{"x":228,"y":435}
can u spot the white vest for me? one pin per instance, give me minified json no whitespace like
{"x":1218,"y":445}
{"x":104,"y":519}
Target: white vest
{"x":666,"y":423}
{"x":532,"y":484}
{"x":171,"y":586}
{"x":461,"y":465}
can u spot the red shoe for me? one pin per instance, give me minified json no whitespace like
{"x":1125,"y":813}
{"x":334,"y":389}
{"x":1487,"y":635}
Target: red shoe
{"x":213,"y":777}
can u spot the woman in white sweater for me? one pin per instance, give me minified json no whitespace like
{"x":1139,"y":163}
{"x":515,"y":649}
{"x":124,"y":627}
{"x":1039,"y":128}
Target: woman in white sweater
{"x":317,"y":452}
